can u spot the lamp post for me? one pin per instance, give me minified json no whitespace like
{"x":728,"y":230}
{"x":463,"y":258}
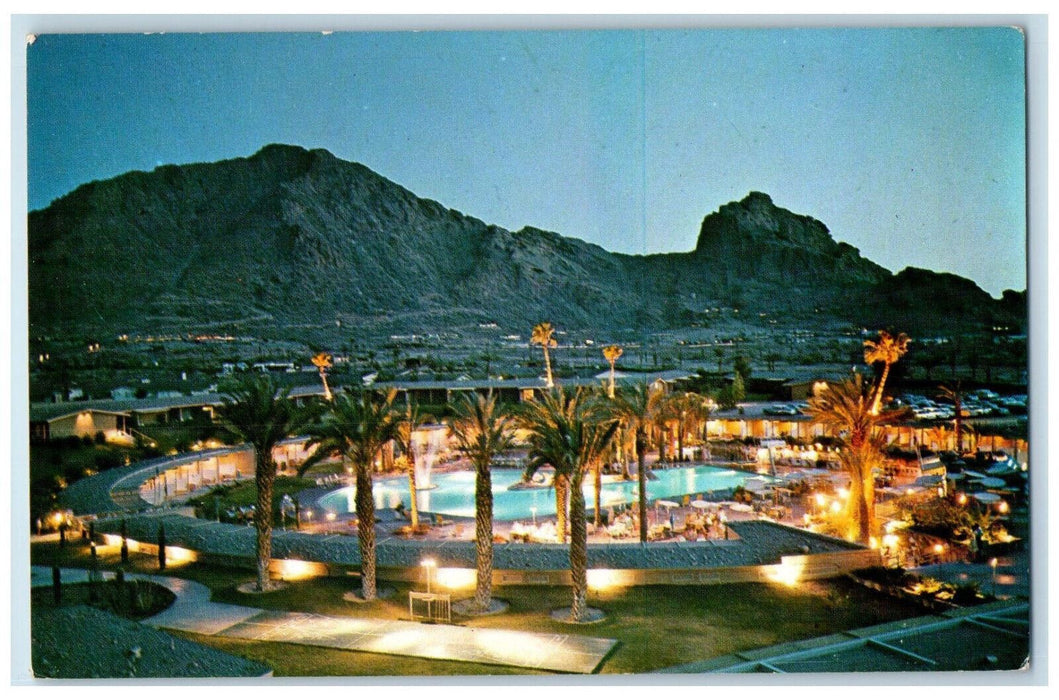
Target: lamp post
{"x":428,"y":565}
{"x":992,"y":565}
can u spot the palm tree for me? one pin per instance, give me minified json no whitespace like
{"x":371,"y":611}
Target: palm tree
{"x":847,"y":407}
{"x":571,"y":432}
{"x":360,"y":427}
{"x":636,"y":407}
{"x":955,"y":394}
{"x":612,"y":353}
{"x":406,"y":428}
{"x":482,"y":430}
{"x":544,"y":335}
{"x":322,"y":360}
{"x":887,"y":350}
{"x":258,"y":414}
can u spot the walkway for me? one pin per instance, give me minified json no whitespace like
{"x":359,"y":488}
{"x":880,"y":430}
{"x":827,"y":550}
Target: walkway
{"x":194,"y":612}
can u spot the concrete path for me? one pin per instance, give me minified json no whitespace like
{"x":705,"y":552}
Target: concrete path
{"x":194,"y":612}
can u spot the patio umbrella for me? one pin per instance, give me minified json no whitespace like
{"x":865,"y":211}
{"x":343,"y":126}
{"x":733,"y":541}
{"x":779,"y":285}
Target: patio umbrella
{"x":985,"y":497}
{"x":741,"y":507}
{"x":668,"y":504}
{"x":992,"y":483}
{"x":757,"y":485}
{"x":701,"y":505}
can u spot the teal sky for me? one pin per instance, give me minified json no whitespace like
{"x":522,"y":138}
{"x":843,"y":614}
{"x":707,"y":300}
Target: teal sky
{"x":909,"y":144}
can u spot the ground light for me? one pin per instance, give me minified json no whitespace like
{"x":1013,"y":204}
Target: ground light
{"x":428,"y":566}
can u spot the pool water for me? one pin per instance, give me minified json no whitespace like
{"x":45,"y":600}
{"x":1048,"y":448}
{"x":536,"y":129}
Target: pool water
{"x":453,"y":494}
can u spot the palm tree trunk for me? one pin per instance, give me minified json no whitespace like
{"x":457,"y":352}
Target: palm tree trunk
{"x":264,"y":478}
{"x":561,"y":495}
{"x":610,"y":389}
{"x":877,"y":402}
{"x":547,"y":366}
{"x":366,"y":531}
{"x":597,"y":477}
{"x":412,"y":490}
{"x":578,"y":552}
{"x":327,"y":389}
{"x":483,"y":535}
{"x":861,"y":492}
{"x":641,"y":478}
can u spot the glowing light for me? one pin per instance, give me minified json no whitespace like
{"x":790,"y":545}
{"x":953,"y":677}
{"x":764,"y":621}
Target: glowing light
{"x":454,"y":578}
{"x":1003,"y":507}
{"x":890,"y":541}
{"x":112,"y":540}
{"x":331,"y":517}
{"x":836,"y":507}
{"x":820,"y":500}
{"x":939,"y":548}
{"x":962,"y":499}
{"x":843,"y":493}
{"x":873,"y":542}
{"x":179,"y":555}
{"x":296,"y":569}
{"x":788,"y":571}
{"x":601,"y":578}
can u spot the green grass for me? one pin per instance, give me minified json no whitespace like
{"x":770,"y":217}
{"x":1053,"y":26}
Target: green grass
{"x":244,"y":493}
{"x":656,"y":626}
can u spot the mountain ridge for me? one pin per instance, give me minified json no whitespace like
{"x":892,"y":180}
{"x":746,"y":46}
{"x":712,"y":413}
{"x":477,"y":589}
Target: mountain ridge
{"x":296,"y":236}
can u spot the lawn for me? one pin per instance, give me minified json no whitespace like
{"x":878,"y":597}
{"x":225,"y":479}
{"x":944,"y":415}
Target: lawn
{"x":657,"y":626}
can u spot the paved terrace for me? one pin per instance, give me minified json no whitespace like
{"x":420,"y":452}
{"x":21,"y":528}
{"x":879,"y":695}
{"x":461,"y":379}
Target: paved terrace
{"x":194,"y":612}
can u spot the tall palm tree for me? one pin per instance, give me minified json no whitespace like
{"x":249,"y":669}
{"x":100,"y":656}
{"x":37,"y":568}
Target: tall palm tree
{"x":847,"y":408}
{"x":636,"y":406}
{"x":955,"y":394}
{"x":258,"y":414}
{"x":360,"y":426}
{"x":571,"y":432}
{"x":322,"y":360}
{"x":410,"y":422}
{"x":612,"y":353}
{"x":482,"y":430}
{"x":544,"y":335}
{"x":887,"y":350}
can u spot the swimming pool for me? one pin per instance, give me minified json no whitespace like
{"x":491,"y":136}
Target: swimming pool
{"x":453,"y":494}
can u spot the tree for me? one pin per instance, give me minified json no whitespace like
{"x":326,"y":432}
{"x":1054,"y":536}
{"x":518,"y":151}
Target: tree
{"x":955,"y":394}
{"x":544,"y":335}
{"x":571,"y":432}
{"x":636,"y":407}
{"x":612,"y":353}
{"x":730,"y":396}
{"x":322,"y":360}
{"x":887,"y":350}
{"x":742,"y":366}
{"x":256,"y":413}
{"x":847,"y":407}
{"x":406,"y":428}
{"x":359,"y":426}
{"x":482,"y":431}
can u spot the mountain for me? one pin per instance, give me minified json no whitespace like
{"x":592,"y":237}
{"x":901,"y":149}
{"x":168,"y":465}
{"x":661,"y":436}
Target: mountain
{"x":292,"y":241}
